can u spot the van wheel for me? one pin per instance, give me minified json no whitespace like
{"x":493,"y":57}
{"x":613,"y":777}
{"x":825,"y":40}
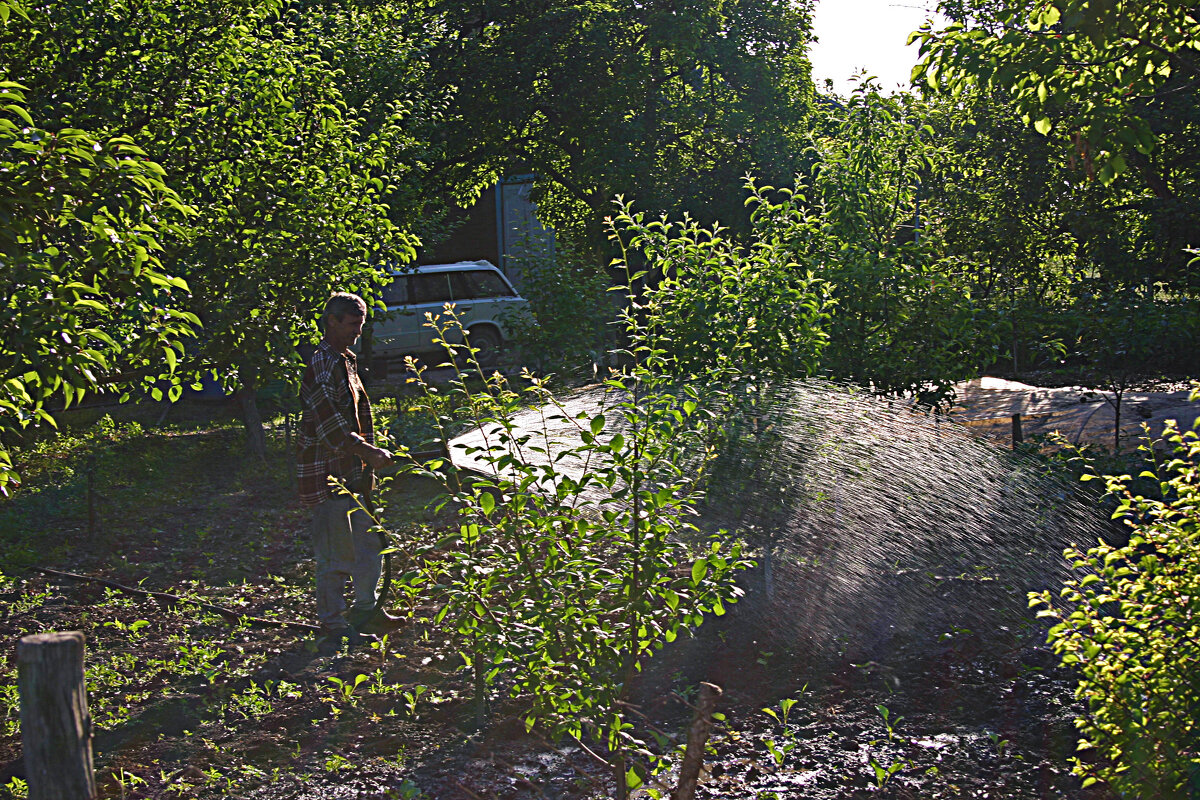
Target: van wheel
{"x":488,"y":344}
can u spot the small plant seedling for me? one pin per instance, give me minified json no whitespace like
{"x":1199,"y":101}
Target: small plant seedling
{"x":346,"y":689}
{"x":1000,"y":744}
{"x":127,"y":781}
{"x":411,"y":696}
{"x":337,"y":762}
{"x":785,"y":709}
{"x":884,"y":774}
{"x":382,"y":646}
{"x":888,"y":722}
{"x":779,"y":750}
{"x":133,"y":628}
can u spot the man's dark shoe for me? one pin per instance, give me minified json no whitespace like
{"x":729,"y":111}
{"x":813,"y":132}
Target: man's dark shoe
{"x":374,"y":623}
{"x":334,"y":640}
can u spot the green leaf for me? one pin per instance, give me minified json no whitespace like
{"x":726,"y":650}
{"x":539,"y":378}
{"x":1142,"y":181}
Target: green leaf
{"x":1042,"y":126}
{"x":699,"y":570}
{"x":672,"y":599}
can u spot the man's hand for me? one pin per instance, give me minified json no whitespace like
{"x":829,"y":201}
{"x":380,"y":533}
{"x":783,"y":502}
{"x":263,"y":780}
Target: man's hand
{"x":377,"y":457}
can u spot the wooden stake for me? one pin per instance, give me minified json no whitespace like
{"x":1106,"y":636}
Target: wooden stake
{"x":56,"y":725}
{"x":91,"y":496}
{"x":1017,"y":436}
{"x":693,"y":756}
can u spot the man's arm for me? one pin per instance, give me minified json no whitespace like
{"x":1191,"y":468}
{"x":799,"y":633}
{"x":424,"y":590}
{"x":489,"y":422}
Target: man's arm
{"x":333,"y":428}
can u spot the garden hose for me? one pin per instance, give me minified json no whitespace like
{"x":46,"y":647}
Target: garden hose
{"x":385,"y":592}
{"x":381,"y":598}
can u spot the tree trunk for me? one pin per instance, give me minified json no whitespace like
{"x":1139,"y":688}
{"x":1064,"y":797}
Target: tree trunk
{"x":693,"y":756}
{"x":620,"y":777}
{"x":256,"y":436}
{"x":56,"y":726}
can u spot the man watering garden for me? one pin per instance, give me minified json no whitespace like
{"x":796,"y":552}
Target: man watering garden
{"x":336,"y":449}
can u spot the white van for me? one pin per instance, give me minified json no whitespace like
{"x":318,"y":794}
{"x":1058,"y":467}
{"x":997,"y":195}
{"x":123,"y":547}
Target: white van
{"x":482,"y":297}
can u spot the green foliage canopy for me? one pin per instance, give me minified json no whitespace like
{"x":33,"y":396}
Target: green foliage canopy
{"x":86,"y":299}
{"x":671,"y":104}
{"x":720,"y":310}
{"x":906,"y":320}
{"x":253,"y":132}
{"x":1089,"y":67}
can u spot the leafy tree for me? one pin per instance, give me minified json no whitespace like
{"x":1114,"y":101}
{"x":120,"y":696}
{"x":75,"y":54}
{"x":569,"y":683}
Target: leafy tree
{"x":713,"y":306}
{"x":299,"y":212}
{"x":1112,"y":88}
{"x":1041,"y":244}
{"x":86,"y":299}
{"x":1093,"y":66}
{"x":1123,"y":336}
{"x":380,"y":56}
{"x":670,"y":103}
{"x":255,"y":135}
{"x":1002,"y":205}
{"x":906,"y":321}
{"x":563,"y":576}
{"x":571,"y":325}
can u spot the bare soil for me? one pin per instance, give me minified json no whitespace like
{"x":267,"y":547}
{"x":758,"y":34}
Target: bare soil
{"x":188,"y":705}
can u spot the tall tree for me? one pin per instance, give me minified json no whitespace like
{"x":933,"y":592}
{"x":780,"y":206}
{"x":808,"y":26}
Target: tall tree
{"x":1112,"y":86}
{"x":380,"y":56}
{"x":906,"y":319}
{"x":670,"y":102}
{"x":254,"y":133}
{"x":1092,"y":67}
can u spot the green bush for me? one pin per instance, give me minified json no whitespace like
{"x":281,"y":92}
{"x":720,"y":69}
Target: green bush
{"x":719,"y":308}
{"x":573,"y":313}
{"x":559,"y":584}
{"x":1131,"y":625}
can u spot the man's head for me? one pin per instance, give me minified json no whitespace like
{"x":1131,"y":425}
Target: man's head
{"x":343,"y":319}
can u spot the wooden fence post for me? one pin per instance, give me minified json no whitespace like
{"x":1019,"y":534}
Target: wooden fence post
{"x":1017,"y":435}
{"x":56,"y":725}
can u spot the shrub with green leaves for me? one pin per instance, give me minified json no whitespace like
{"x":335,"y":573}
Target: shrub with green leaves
{"x":86,"y":296}
{"x":572,"y":313}
{"x":1130,"y":624}
{"x":712,"y":305}
{"x":576,"y":555}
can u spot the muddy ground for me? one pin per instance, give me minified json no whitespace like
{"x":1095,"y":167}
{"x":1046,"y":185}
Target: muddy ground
{"x":189,"y":705}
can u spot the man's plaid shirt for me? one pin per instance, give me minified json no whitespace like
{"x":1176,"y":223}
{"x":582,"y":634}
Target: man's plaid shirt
{"x":335,"y":406}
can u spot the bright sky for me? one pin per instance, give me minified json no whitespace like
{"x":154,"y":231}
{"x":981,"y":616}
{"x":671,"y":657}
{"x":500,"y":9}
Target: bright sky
{"x":867,"y":34}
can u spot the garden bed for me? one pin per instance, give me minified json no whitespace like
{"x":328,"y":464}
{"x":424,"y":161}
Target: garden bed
{"x":188,"y":705}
